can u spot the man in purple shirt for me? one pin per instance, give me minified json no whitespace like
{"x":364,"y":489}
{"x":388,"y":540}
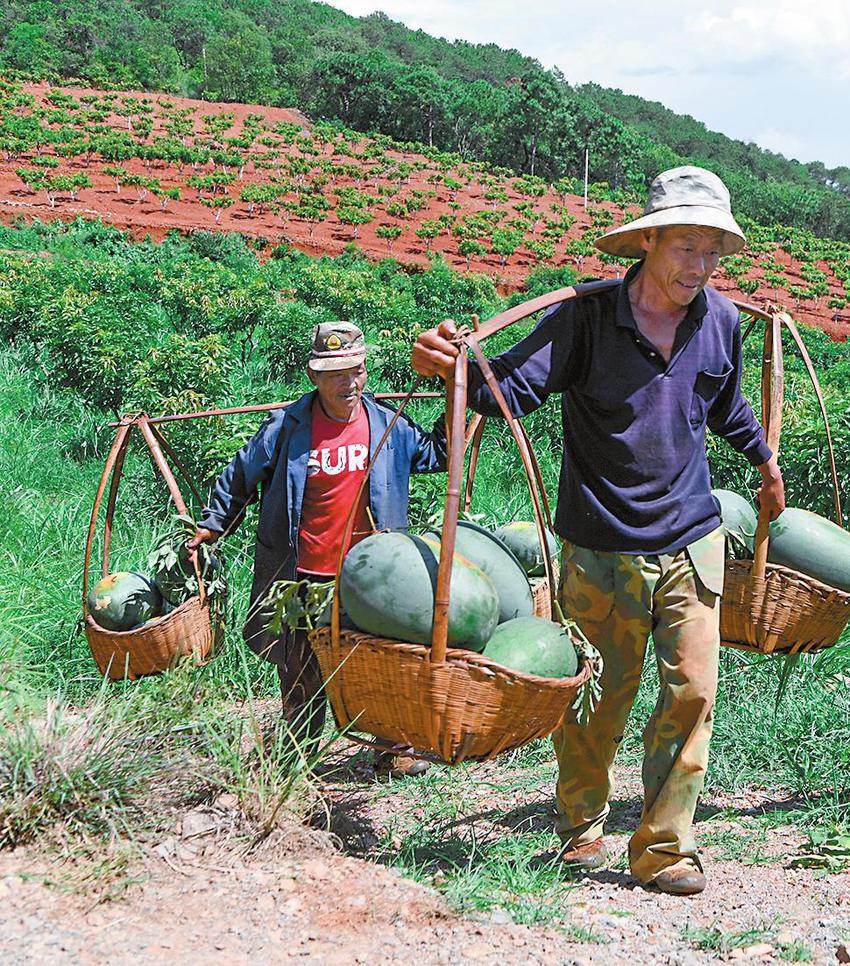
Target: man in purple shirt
{"x":643,"y":367}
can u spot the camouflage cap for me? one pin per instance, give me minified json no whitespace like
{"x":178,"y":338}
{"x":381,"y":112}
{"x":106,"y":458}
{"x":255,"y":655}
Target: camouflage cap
{"x":336,"y":345}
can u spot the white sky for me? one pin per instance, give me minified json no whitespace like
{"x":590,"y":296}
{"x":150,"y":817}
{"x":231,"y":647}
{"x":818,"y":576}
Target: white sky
{"x":776,"y":72}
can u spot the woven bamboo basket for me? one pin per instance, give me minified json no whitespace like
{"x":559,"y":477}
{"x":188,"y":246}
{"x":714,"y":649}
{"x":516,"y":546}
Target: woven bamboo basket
{"x":159,"y":643}
{"x":541,"y":595}
{"x":463,"y":707}
{"x":782,"y":612}
{"x":450,"y":704}
{"x":767,"y":608}
{"x":187,"y":630}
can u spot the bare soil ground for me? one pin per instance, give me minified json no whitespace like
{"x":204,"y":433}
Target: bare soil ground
{"x":196,"y":896}
{"x":147,"y":217}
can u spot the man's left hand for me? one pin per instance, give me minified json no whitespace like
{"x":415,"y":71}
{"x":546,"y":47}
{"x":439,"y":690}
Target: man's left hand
{"x":771,"y":493}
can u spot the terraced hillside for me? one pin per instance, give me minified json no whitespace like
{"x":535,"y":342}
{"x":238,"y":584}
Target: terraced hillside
{"x":155,"y":163}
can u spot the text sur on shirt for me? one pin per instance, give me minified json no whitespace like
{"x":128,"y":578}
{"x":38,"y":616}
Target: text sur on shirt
{"x":351,"y":458}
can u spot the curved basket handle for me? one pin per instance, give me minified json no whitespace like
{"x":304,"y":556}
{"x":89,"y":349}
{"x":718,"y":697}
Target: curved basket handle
{"x":479,"y":423}
{"x":456,"y":422}
{"x":786,"y":320}
{"x":772,"y":395}
{"x":529,"y":462}
{"x":116,"y":452}
{"x":175,"y":459}
{"x":114,"y":465}
{"x":807,"y":361}
{"x":174,"y":490}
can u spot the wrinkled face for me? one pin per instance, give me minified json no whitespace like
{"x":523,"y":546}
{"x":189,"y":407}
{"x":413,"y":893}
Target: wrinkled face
{"x":340,"y":389}
{"x":680,"y":259}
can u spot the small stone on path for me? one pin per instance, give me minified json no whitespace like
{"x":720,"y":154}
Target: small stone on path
{"x":752,"y":952}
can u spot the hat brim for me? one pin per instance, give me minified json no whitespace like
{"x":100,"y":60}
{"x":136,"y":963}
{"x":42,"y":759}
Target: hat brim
{"x":624,"y":242}
{"x":332,"y":363}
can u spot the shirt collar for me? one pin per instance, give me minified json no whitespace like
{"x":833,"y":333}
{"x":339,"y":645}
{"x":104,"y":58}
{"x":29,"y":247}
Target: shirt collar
{"x":697,"y":310}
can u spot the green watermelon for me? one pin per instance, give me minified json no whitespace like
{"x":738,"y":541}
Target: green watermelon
{"x":501,"y":566}
{"x":811,"y":544}
{"x":521,"y":539}
{"x":123,"y":601}
{"x":387,"y":588}
{"x":535,"y":646}
{"x":738,"y":518}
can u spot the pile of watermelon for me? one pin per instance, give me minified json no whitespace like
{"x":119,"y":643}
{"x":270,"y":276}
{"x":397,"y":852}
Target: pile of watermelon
{"x":127,"y":600}
{"x":798,"y":539}
{"x":388,"y":583}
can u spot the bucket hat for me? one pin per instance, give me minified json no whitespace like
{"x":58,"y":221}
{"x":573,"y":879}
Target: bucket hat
{"x":680,"y":196}
{"x":336,"y":345}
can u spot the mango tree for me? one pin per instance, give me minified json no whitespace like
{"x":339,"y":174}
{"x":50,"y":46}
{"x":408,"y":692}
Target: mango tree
{"x":388,"y":232}
{"x":354,"y":217}
{"x":504,"y":243}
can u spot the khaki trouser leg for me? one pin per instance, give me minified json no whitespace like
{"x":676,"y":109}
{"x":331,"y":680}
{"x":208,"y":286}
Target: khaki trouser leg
{"x":677,"y":735}
{"x":609,"y":598}
{"x":617,"y":599}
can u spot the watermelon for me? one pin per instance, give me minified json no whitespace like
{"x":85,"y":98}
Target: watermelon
{"x":535,"y":646}
{"x":123,"y":601}
{"x":812,"y":545}
{"x":738,"y":518}
{"x":387,"y":588}
{"x":521,"y":539}
{"x":501,"y":566}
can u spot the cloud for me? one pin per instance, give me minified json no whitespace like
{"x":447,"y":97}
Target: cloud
{"x":733,"y":64}
{"x":815,"y":34}
{"x":782,"y":142}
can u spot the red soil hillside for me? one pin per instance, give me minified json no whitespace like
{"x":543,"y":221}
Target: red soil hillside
{"x":153,"y":163}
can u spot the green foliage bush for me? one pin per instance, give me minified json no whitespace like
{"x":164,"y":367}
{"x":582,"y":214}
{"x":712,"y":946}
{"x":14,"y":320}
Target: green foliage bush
{"x":197,"y":322}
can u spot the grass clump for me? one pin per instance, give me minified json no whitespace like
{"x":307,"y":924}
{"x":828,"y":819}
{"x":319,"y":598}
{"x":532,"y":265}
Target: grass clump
{"x":86,"y":770}
{"x":125,"y":764}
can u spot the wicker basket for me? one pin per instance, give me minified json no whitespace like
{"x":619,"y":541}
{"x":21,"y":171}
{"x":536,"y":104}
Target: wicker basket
{"x":189,"y":629}
{"x":464,"y":708}
{"x":767,"y":608}
{"x":155,"y":646}
{"x":541,"y":592}
{"x":449,"y":703}
{"x":780,"y":613}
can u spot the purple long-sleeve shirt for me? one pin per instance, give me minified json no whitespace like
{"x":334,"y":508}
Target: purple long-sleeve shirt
{"x":634,"y":474}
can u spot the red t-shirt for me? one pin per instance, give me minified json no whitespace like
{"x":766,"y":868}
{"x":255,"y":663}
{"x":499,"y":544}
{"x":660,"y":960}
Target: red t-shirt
{"x":339,"y":455}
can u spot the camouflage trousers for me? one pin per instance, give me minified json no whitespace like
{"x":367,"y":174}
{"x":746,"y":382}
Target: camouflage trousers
{"x":618,"y":600}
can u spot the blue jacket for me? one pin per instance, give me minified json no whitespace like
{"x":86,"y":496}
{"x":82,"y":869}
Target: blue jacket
{"x":273,"y":466}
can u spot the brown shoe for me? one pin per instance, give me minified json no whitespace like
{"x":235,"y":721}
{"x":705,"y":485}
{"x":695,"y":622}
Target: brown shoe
{"x":680,"y":882}
{"x":588,"y":857}
{"x":398,"y":766}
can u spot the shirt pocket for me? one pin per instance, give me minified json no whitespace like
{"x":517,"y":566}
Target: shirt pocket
{"x":707,"y":387}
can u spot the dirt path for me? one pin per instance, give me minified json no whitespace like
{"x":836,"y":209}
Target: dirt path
{"x":192,"y":899}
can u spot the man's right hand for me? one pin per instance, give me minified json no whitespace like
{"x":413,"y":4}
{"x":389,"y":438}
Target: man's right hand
{"x":434,"y":353}
{"x":202,"y":535}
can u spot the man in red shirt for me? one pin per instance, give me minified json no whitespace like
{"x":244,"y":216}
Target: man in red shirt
{"x":306,"y":463}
